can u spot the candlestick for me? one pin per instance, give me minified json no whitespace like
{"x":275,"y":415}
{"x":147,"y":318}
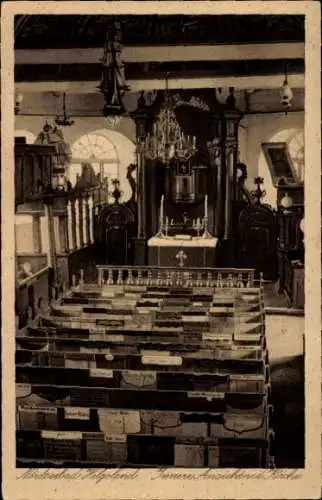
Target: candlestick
{"x":206,"y":234}
{"x":206,"y":206}
{"x":161,"y":208}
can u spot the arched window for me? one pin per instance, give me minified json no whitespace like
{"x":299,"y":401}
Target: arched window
{"x":99,"y":152}
{"x":108,"y":152}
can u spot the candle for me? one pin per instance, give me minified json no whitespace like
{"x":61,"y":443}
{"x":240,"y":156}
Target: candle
{"x":161,"y":207}
{"x":206,"y":206}
{"x":166,"y":225}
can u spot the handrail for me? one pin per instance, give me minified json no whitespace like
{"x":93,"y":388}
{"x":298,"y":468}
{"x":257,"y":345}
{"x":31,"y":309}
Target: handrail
{"x":109,"y":275}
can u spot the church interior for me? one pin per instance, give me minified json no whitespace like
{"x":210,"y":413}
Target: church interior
{"x":159,"y":241}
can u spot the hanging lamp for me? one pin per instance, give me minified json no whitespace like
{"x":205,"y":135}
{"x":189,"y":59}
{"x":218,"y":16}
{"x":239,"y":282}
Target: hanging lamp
{"x":64,"y":120}
{"x":286,"y":93}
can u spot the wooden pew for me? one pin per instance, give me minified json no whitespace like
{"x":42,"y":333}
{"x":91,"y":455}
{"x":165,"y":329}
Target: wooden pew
{"x":141,"y":363}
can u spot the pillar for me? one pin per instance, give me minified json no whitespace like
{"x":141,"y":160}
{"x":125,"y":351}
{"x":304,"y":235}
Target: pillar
{"x":140,"y":117}
{"x":232,"y":118}
{"x":228,"y":189}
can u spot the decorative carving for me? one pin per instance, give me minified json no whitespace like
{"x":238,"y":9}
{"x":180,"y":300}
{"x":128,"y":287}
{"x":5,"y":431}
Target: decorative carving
{"x":258,"y":193}
{"x":130,"y":169}
{"x":116,"y":193}
{"x":214,"y":149}
{"x":113,"y":85}
{"x":176,"y":100}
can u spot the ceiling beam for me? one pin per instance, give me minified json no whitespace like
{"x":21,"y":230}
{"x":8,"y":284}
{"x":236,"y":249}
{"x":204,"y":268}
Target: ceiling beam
{"x":240,"y":82}
{"x":183,"y":53}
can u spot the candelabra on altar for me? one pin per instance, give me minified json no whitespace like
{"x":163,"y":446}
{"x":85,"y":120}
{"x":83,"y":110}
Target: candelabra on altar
{"x":206,"y":233}
{"x":160,"y":233}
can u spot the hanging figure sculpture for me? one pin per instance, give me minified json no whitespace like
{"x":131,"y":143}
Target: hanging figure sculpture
{"x":113,"y":85}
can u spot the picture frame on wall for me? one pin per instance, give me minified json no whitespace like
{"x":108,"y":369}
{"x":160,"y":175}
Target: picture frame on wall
{"x":280,"y":163}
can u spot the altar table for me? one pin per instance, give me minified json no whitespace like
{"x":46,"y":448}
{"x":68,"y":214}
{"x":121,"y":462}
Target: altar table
{"x":174,"y":251}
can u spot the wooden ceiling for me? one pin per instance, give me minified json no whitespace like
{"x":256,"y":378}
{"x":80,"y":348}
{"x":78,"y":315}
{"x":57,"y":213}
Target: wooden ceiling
{"x":62,"y":53}
{"x":68,"y":31}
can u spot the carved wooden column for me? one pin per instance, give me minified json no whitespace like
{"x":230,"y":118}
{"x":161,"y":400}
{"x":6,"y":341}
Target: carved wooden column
{"x":232,"y":119}
{"x":217,"y":164}
{"x":140,"y":116}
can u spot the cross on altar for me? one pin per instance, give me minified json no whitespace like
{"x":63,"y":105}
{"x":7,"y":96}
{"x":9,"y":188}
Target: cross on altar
{"x":181,"y":257}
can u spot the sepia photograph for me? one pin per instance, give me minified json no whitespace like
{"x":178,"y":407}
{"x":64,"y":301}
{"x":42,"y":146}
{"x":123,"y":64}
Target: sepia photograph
{"x":159,"y":169}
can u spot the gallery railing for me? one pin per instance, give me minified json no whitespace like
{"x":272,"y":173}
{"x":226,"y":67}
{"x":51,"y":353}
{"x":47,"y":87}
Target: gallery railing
{"x":174,"y":276}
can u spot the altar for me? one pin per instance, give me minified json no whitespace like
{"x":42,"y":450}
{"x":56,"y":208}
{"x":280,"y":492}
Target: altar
{"x":181,"y":251}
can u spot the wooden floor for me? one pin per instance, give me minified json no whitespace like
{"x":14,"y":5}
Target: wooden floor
{"x":278,"y":303}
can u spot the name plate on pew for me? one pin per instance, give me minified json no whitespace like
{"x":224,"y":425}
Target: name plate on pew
{"x":110,"y":438}
{"x":23,"y":390}
{"x":101,"y":372}
{"x":252,"y":337}
{"x":187,"y":318}
{"x":139,"y":378}
{"x":110,"y":322}
{"x":94,"y":350}
{"x":206,"y":395}
{"x":77,"y":413}
{"x":251,"y":376}
{"x":62,"y":435}
{"x":217,"y":336}
{"x":114,"y":338}
{"x":154,"y":352}
{"x":161,"y":360}
{"x":38,"y":409}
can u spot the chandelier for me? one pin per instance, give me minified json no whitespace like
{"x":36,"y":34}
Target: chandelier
{"x":167,"y":141}
{"x":64,"y":120}
{"x":113,"y":85}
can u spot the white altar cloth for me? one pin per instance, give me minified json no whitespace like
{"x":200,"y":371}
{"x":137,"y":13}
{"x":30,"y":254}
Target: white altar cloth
{"x":172,"y":241}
